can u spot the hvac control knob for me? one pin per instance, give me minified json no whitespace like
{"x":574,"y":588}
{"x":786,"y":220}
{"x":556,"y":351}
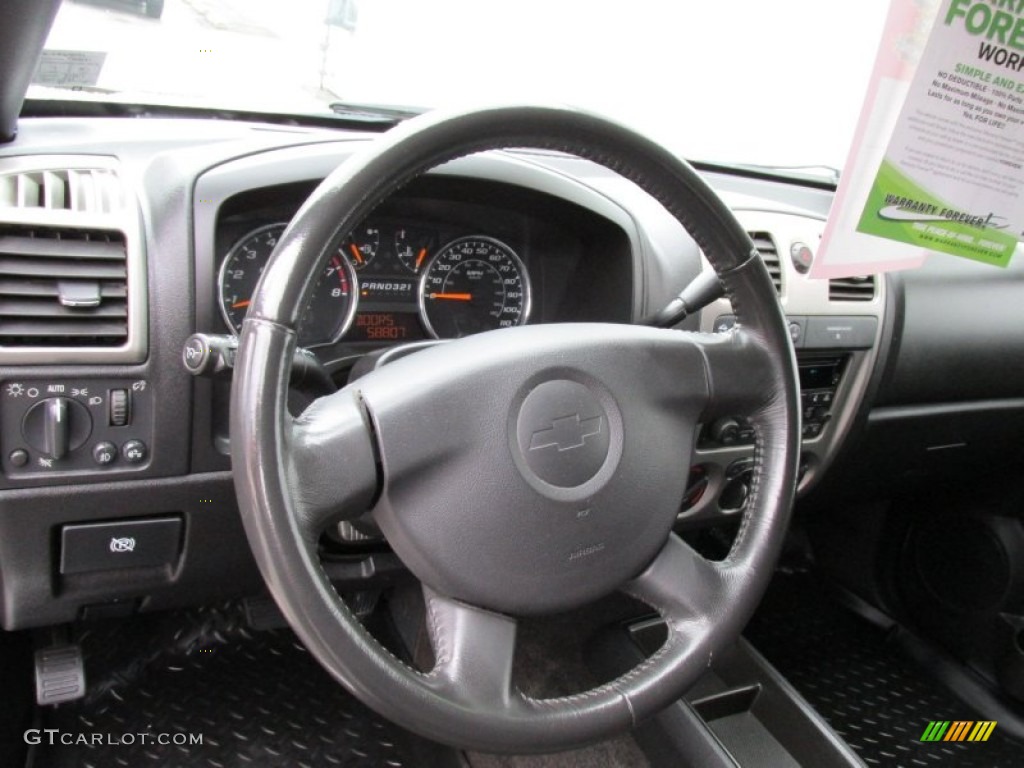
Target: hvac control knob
{"x":725,"y":431}
{"x":56,"y":426}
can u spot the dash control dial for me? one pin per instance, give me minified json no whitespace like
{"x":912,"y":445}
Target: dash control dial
{"x":726,"y":431}
{"x":120,"y":407}
{"x":56,"y":426}
{"x":75,"y":430}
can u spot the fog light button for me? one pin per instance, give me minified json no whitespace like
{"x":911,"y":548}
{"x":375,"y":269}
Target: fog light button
{"x":104,"y":453}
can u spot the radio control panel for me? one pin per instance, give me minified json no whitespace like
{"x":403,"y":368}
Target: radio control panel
{"x":819,"y":380}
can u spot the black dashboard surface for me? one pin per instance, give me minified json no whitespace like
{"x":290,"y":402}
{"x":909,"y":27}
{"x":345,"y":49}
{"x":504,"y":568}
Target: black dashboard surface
{"x":592,"y":246}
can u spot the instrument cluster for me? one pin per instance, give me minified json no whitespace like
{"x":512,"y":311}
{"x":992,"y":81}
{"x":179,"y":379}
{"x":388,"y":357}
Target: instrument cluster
{"x":390,"y":281}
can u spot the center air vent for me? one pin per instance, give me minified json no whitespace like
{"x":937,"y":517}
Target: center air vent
{"x":62,"y":287}
{"x":852,"y":288}
{"x":770,"y":255}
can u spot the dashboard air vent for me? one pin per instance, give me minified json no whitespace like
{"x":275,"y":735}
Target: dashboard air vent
{"x":86,"y":190}
{"x":62,"y":287}
{"x":770,"y":255}
{"x":852,"y":288}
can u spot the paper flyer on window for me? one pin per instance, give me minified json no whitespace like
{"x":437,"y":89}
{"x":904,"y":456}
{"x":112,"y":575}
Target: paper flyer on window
{"x":939,"y":151}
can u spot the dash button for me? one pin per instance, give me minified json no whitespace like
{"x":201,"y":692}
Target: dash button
{"x":104,"y":453}
{"x":134,"y":451}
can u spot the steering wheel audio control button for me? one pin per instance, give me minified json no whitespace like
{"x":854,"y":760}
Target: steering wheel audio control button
{"x":563,"y":433}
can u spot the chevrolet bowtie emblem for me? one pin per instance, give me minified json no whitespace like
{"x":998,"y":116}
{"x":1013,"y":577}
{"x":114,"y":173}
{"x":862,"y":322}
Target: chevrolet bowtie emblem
{"x":566,"y":433}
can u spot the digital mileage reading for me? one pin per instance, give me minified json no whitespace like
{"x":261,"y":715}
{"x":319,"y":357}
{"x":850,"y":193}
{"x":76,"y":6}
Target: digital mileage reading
{"x":386,"y":326}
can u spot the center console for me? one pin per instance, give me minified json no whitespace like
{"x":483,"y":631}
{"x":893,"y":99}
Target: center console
{"x":819,"y":381}
{"x":835,"y":328}
{"x":741,"y":712}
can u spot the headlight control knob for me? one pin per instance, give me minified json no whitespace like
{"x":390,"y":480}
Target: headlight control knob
{"x":56,"y":426}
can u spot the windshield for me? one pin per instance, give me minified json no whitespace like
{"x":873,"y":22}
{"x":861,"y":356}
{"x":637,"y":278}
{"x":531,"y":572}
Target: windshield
{"x":775,"y":84}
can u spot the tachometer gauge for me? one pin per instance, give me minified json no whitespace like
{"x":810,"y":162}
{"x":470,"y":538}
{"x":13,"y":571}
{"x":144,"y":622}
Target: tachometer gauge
{"x":473,"y":284}
{"x":413,"y":247}
{"x":330,"y":310}
{"x":362,"y":246}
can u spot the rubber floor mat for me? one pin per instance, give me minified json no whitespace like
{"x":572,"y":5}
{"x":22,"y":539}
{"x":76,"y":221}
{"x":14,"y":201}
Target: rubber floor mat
{"x":253,"y":698}
{"x":874,"y":697}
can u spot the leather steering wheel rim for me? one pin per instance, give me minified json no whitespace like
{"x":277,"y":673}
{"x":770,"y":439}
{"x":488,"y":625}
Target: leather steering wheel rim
{"x":347,"y":451}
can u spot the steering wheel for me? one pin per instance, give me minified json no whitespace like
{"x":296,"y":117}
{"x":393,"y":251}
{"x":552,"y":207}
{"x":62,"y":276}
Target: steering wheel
{"x":520,"y":471}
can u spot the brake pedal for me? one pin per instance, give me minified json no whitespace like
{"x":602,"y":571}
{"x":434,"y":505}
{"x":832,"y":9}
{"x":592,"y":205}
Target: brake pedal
{"x":262,"y":613}
{"x":60,"y":674}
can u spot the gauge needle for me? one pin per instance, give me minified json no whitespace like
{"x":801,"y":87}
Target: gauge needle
{"x":355,"y":252}
{"x":453,"y":296}
{"x":240,"y":304}
{"x":420,"y":257}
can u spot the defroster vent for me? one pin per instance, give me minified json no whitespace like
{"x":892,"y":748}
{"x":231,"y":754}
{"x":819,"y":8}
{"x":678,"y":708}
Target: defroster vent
{"x":770,"y":255}
{"x":62,"y":287}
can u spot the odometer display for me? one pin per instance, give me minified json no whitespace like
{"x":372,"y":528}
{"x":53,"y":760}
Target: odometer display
{"x":471,"y":285}
{"x":385,"y":327}
{"x":330,"y":309}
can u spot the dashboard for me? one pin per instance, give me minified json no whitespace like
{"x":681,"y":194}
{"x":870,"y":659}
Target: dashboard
{"x":117,"y":245}
{"x":442,"y":260}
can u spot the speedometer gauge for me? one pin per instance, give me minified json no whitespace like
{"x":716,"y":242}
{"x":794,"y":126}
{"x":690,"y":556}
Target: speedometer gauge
{"x":330,"y":309}
{"x":474,"y":284}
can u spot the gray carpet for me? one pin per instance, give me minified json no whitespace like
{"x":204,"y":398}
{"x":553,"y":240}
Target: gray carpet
{"x":617,"y":753}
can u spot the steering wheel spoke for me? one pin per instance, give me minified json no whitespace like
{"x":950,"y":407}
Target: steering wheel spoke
{"x":473,"y":648}
{"x":740,"y":371}
{"x":680,"y":584}
{"x":331,"y":462}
